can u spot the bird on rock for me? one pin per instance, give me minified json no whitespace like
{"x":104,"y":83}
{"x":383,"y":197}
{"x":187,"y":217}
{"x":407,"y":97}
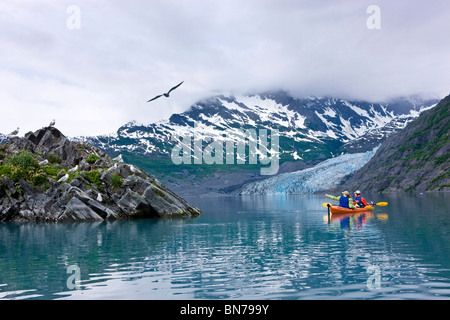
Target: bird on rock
{"x":15,"y":132}
{"x":64,"y":178}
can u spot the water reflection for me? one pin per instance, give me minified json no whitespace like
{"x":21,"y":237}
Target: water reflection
{"x":353,"y":221}
{"x":350,"y":221}
{"x":240,"y":248}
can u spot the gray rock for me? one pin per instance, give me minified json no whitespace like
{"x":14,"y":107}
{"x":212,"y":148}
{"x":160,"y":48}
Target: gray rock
{"x":127,"y":192}
{"x":76,"y":210}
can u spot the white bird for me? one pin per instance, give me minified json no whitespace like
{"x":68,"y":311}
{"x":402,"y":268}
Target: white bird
{"x":133,"y":169}
{"x":64,"y":178}
{"x":114,"y":167}
{"x":15,"y":132}
{"x":52,"y":123}
{"x":43,"y":162}
{"x":74,"y":169}
{"x":118,"y":158}
{"x":99,"y":198}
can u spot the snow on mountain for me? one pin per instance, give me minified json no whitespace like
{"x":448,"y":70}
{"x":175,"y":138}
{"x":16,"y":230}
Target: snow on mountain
{"x":3,"y":138}
{"x":323,"y":176}
{"x":309,"y":128}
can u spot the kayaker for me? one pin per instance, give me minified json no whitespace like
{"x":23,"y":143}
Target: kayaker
{"x":355,"y":203}
{"x":360,"y":200}
{"x":345,"y":201}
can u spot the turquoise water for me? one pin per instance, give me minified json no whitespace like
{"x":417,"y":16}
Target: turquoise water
{"x":262,"y":247}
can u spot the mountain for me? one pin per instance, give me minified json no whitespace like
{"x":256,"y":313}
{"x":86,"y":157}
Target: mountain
{"x":3,"y":138}
{"x":413,"y":159}
{"x":310,"y":130}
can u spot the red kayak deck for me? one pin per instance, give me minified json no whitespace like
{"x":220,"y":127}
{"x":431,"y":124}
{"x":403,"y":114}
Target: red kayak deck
{"x":337,"y":209}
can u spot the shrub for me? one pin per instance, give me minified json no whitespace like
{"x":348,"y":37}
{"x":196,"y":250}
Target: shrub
{"x":38,"y":178}
{"x":92,"y":158}
{"x":94,"y":177}
{"x":23,"y":160}
{"x":5,"y":169}
{"x":51,"y":171}
{"x":53,"y":158}
{"x":116,"y":181}
{"x":18,"y":173}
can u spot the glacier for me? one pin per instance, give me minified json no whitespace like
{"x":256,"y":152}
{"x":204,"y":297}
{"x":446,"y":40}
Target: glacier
{"x":323,"y":176}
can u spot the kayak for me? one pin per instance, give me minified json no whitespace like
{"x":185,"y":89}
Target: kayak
{"x":337,"y":209}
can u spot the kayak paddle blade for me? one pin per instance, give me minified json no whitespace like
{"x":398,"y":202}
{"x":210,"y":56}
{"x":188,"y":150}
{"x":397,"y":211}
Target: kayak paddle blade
{"x":326,"y":204}
{"x":382,"y":204}
{"x":369,"y":208}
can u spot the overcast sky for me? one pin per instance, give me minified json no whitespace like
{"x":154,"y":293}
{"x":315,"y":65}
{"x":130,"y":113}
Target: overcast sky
{"x":97,"y":77}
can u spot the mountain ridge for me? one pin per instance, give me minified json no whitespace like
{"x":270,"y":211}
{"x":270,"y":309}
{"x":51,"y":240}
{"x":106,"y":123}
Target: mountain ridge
{"x":311,"y":130}
{"x":413,"y":159}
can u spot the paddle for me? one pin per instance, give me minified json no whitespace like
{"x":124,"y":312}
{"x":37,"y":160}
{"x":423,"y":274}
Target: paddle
{"x":382,"y":204}
{"x":326,"y":204}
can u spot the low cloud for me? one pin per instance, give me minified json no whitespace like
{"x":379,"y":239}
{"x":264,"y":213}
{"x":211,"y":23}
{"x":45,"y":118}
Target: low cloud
{"x":98,"y":77}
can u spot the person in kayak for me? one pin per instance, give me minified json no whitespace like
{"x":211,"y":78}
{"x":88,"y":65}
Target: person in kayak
{"x":345,"y":201}
{"x":359,"y":199}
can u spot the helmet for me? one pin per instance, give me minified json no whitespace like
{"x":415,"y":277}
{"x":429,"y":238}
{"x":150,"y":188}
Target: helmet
{"x":357,"y":192}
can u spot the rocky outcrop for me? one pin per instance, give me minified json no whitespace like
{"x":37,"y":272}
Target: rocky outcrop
{"x":46,"y":177}
{"x":414,"y":159}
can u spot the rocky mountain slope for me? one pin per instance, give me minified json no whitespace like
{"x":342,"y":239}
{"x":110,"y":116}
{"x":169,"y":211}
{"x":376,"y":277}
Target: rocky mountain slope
{"x":46,"y":177}
{"x":414,"y":159}
{"x":311,"y":130}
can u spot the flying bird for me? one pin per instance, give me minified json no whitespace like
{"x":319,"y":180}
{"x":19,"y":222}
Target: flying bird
{"x":166,"y":94}
{"x":15,"y":132}
{"x":52,"y":123}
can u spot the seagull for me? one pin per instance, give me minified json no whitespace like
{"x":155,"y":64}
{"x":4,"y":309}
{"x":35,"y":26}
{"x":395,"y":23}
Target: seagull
{"x":15,"y":132}
{"x":74,"y":169}
{"x":64,"y":178}
{"x":44,"y":162}
{"x":118,"y":158}
{"x":133,"y":169}
{"x":166,"y":94}
{"x":52,"y":123}
{"x":99,"y":198}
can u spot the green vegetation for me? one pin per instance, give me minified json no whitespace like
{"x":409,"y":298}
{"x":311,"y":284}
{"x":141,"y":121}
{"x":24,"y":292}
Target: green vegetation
{"x":92,"y":158}
{"x":94,"y":177}
{"x":51,"y":170}
{"x":53,"y":158}
{"x":23,"y":166}
{"x":5,"y":169}
{"x":158,"y":167}
{"x":116,"y":181}
{"x":418,"y":148}
{"x":441,"y":159}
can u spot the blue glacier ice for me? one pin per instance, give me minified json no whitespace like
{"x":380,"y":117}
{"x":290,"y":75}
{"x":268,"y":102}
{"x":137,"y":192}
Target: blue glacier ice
{"x":323,"y":176}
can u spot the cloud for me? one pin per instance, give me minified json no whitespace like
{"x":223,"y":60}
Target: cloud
{"x":98,"y":77}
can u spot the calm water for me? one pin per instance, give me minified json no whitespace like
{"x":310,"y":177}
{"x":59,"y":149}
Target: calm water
{"x":276,"y":247}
